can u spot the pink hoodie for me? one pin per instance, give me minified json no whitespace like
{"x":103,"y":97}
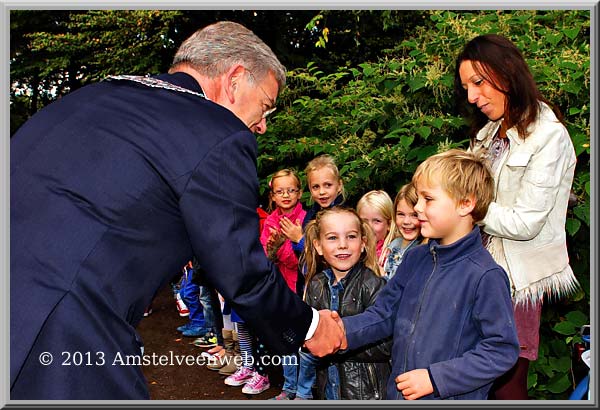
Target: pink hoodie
{"x":287,"y":261}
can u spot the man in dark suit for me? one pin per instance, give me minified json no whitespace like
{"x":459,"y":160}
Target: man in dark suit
{"x":118,"y":184}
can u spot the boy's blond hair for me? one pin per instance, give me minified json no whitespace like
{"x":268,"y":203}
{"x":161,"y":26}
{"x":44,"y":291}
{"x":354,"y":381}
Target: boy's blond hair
{"x":461,"y":174}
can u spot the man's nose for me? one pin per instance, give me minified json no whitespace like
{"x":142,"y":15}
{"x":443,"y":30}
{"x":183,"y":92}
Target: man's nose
{"x":261,"y":127}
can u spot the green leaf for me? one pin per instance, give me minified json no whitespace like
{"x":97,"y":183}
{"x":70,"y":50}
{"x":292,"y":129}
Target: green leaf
{"x":559,"y":384}
{"x":573,"y":226}
{"x":437,"y":122}
{"x":561,"y":364}
{"x":421,"y":153}
{"x":577,"y":318}
{"x":416,"y":83}
{"x":580,"y":142}
{"x":406,"y":141}
{"x":571,"y":32}
{"x":572,"y":87}
{"x":564,"y":328}
{"x":554,"y":39}
{"x":531,"y":380}
{"x":424,"y":131}
{"x":583,"y":212}
{"x":574,"y":110}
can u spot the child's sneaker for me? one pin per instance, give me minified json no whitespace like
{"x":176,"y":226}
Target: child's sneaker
{"x":257,"y":384}
{"x":181,"y":307}
{"x":284,"y":395}
{"x":208,"y":340}
{"x":241,"y":376}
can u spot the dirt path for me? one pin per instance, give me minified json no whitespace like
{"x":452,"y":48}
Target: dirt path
{"x":185,"y":382}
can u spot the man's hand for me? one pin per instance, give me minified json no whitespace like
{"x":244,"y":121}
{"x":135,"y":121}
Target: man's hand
{"x":336,"y":316}
{"x":414,"y":384}
{"x":328,"y":337}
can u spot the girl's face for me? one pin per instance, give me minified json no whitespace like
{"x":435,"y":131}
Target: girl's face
{"x":324,"y":186}
{"x":285,"y":192}
{"x":407,"y":221}
{"x":340,"y":242}
{"x":376,"y":221}
{"x":481,"y":93}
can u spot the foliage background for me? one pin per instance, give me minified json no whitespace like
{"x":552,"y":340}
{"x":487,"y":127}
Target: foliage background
{"x":371,"y":88}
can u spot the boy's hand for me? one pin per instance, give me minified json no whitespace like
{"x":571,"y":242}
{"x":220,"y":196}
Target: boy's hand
{"x":414,"y":384}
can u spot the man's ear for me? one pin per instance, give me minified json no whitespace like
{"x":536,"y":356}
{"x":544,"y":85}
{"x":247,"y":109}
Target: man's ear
{"x":318,"y":247}
{"x":466,"y":205}
{"x":233,"y":80}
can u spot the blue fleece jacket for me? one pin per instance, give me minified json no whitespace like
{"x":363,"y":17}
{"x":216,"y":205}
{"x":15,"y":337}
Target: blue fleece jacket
{"x":449,"y":311}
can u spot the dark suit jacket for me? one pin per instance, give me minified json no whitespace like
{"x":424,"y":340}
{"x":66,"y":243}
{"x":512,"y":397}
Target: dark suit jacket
{"x":114,"y":187}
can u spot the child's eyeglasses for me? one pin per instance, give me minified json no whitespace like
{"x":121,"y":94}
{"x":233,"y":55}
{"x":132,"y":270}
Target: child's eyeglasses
{"x":282,"y":192}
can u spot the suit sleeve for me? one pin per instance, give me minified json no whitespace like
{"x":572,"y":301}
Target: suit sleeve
{"x":219,"y":208}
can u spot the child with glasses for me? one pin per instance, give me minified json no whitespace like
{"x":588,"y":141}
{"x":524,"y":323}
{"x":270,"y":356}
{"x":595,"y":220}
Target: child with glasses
{"x":285,"y":195}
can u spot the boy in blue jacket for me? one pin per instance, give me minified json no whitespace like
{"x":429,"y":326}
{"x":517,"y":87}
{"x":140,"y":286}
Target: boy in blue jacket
{"x":448,"y":307}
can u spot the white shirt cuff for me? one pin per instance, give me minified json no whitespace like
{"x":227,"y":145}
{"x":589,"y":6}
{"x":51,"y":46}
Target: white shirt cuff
{"x":313,"y":324}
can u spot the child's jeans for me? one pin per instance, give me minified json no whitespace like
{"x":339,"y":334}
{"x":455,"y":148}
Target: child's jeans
{"x":307,"y":375}
{"x":209,"y":315}
{"x":290,"y":366}
{"x":190,"y":293}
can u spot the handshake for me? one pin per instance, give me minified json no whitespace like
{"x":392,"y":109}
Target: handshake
{"x":330,"y":335}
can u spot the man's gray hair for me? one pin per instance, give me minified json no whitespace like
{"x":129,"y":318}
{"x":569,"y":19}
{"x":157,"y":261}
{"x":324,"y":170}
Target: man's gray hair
{"x":216,"y":48}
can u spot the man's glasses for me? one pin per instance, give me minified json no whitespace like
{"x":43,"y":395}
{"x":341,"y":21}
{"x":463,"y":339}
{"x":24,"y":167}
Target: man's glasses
{"x":269,"y":111}
{"x":289,"y":191}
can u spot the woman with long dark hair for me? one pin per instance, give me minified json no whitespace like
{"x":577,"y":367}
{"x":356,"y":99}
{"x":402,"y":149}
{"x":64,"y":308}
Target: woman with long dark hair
{"x":533,"y":163}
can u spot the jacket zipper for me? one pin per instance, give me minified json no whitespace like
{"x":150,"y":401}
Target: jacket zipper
{"x":373,"y":380}
{"x":433,"y":252}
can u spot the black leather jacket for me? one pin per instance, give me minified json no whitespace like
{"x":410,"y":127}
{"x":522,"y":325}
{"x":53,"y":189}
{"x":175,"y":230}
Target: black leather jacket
{"x":363,"y":372}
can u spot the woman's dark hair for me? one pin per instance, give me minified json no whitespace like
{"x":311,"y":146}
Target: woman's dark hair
{"x":499,"y":61}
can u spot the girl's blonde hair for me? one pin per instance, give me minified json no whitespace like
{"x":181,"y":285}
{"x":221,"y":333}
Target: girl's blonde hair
{"x":323,"y":161}
{"x":407,"y":192}
{"x":315,"y":263}
{"x":381,"y":201}
{"x":286,"y":172}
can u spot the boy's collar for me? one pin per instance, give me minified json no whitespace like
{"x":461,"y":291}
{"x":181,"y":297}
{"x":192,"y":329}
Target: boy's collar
{"x":456,"y":250}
